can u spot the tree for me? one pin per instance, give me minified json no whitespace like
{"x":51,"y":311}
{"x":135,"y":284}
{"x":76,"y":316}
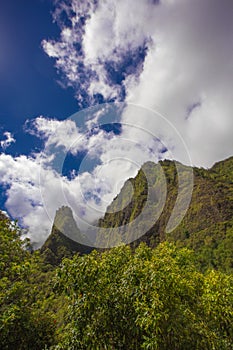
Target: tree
{"x":24,"y":321}
{"x":147,"y":299}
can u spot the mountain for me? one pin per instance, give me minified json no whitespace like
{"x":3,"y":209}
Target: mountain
{"x":65,"y":238}
{"x":207,"y":226}
{"x":166,"y":201}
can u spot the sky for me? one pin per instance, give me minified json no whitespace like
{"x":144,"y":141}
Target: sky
{"x":89,"y":91}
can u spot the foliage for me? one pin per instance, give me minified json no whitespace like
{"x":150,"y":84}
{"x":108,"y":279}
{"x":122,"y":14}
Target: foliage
{"x":147,"y":299}
{"x":25,"y":319}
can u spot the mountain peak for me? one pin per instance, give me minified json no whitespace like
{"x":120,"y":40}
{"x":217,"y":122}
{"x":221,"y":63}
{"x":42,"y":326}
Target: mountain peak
{"x":65,"y":238}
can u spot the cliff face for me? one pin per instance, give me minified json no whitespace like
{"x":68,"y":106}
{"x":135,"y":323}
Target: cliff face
{"x":143,"y":209}
{"x":65,"y":238}
{"x":207,"y":225}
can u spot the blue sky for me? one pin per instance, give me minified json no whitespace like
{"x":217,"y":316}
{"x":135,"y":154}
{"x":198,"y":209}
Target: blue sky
{"x":28,"y":85}
{"x":91,"y":90}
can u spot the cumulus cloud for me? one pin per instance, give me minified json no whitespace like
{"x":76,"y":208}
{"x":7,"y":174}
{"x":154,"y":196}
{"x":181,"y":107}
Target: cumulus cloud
{"x":56,"y":133}
{"x":99,"y":46}
{"x":185,"y":61}
{"x":34,"y":193}
{"x":9,"y":139}
{"x":21,"y":176}
{"x":36,"y":188}
{"x":190,"y":65}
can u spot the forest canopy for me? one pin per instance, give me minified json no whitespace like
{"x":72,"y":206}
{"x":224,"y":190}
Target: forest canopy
{"x":118,"y":299}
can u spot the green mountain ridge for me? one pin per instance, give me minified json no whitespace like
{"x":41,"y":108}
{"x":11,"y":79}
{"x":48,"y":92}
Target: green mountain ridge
{"x":206,"y":226}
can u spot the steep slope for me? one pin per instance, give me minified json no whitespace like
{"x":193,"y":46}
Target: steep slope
{"x":207,"y":226}
{"x":143,"y":209}
{"x":223,"y":171}
{"x":65,"y":238}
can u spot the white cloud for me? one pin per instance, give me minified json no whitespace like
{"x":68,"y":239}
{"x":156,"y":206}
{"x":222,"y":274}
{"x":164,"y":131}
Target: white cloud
{"x":21,"y":176}
{"x":34,"y":193}
{"x":8,"y":141}
{"x":188,"y":61}
{"x":35,"y":190}
{"x":64,"y":134}
{"x":107,"y":35}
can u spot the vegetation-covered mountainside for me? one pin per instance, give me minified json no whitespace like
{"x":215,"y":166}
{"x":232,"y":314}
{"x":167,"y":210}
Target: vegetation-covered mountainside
{"x":207,"y":226}
{"x":119,"y":299}
{"x":65,"y":239}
